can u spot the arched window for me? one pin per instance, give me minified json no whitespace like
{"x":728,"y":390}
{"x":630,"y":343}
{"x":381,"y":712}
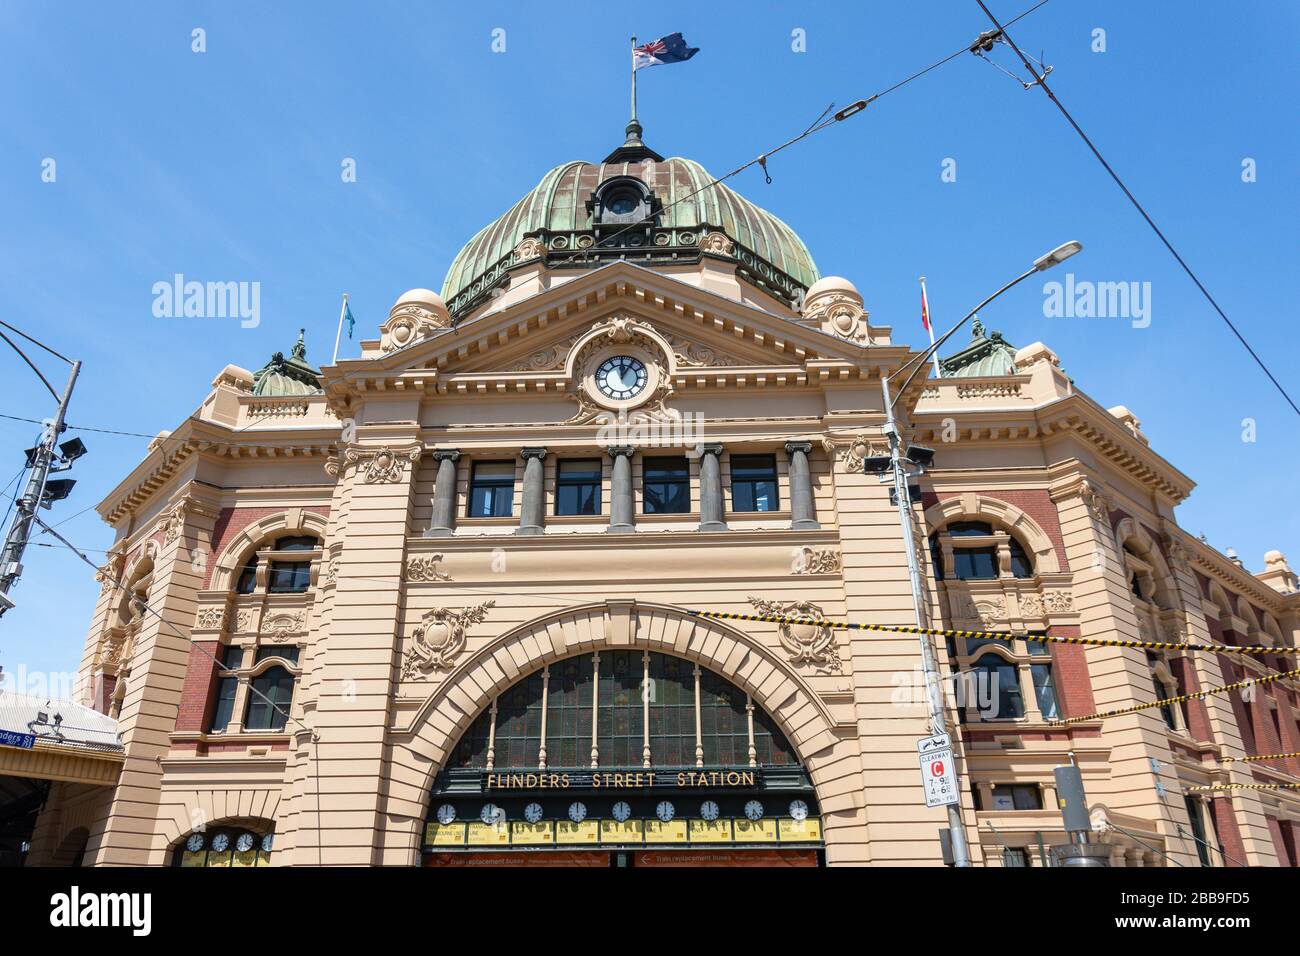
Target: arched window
{"x":975,"y":547}
{"x":226,"y":846}
{"x":271,"y":691}
{"x":286,"y":574}
{"x":1006,"y":680}
{"x":622,"y":709}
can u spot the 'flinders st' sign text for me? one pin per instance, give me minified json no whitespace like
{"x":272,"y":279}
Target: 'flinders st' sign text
{"x":621,"y":780}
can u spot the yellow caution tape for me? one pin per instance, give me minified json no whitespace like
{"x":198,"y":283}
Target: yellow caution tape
{"x":1260,"y":757}
{"x":1179,"y":699}
{"x":996,"y":635}
{"x":1244,"y":786}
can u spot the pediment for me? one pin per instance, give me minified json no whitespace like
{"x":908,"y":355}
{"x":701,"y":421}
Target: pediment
{"x":534,"y":337}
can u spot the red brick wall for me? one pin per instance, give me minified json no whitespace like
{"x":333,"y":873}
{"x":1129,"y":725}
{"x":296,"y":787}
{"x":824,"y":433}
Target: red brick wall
{"x":197,"y":691}
{"x":1198,"y":716}
{"x":1038,"y":505}
{"x":1279,"y":845}
{"x":232,"y":521}
{"x":1225,"y":823}
{"x":1240,"y":709}
{"x":1073,"y":685}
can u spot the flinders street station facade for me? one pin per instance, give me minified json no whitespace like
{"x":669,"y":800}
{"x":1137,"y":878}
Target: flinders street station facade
{"x":432,"y":605}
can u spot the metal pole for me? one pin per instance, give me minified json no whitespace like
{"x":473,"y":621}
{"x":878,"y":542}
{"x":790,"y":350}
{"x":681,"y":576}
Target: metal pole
{"x":343,"y":310}
{"x":933,"y":692}
{"x":634,"y":79}
{"x":21,"y":529}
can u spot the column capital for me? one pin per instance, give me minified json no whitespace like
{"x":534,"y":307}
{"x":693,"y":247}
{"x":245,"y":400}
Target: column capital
{"x":793,"y":446}
{"x":713,"y":448}
{"x":616,"y":451}
{"x":446,"y":454}
{"x":533,"y":452}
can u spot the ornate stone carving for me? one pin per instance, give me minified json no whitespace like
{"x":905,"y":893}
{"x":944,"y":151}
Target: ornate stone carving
{"x":1052,"y":602}
{"x":718,"y":243}
{"x":529,"y":248}
{"x":279,"y":626}
{"x":804,"y":643}
{"x":651,"y":405}
{"x":247,"y":620}
{"x":549,"y":359}
{"x":211,"y":618}
{"x":425,"y":569}
{"x":173,"y":523}
{"x":696,"y":355}
{"x":439,"y":639}
{"x":816,"y":561}
{"x":381,"y":465}
{"x":1096,"y":500}
{"x":851,"y":452}
{"x":410,"y":322}
{"x":110,"y":571}
{"x":331,"y":572}
{"x":837,"y":309}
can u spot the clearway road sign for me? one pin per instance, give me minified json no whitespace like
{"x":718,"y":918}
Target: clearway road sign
{"x":938,"y":774}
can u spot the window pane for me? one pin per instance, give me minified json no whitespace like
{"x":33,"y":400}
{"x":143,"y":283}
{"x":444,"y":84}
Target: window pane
{"x":723,"y":722}
{"x":289,"y":654}
{"x":969,"y":529}
{"x":224,"y":707}
{"x":1021,"y":566}
{"x":770,"y":745}
{"x":619,"y":725}
{"x":492,"y":489}
{"x":975,"y":564}
{"x":665,"y":484}
{"x":295,"y":543}
{"x":247,"y":577}
{"x":289,"y":577}
{"x":999,"y":688}
{"x":270,"y":695}
{"x":577,"y":488}
{"x":753,"y":483}
{"x":568,"y":713}
{"x":1045,"y":690}
{"x":471,"y":749}
{"x":672,"y":712}
{"x":519,"y":724}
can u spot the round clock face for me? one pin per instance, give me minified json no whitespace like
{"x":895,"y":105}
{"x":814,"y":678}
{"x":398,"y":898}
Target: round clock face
{"x":621,"y":377}
{"x":268,"y":841}
{"x":194,"y":843}
{"x":244,"y":843}
{"x":754,"y":810}
{"x":665,"y":810}
{"x":799,"y":810}
{"x":622,"y":811}
{"x":492,"y":815}
{"x":533,"y":812}
{"x":577,"y":811}
{"x":220,"y":842}
{"x":446,"y":814}
{"x":709,"y":810}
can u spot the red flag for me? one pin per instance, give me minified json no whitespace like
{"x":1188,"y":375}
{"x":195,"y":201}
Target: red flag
{"x":925,"y":308}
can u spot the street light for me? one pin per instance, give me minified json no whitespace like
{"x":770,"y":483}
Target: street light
{"x":922,"y":458}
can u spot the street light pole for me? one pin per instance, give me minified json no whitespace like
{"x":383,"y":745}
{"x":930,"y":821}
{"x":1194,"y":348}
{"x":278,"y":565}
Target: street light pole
{"x":20,"y":530}
{"x":898,"y":462}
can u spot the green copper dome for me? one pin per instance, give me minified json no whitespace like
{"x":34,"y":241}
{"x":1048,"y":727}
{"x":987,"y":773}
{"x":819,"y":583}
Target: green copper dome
{"x":559,"y":212}
{"x":985,"y":355}
{"x":291,"y":376}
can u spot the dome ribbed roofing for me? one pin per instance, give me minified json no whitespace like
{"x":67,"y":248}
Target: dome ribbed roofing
{"x":291,"y":376}
{"x":985,"y":355}
{"x":559,"y":204}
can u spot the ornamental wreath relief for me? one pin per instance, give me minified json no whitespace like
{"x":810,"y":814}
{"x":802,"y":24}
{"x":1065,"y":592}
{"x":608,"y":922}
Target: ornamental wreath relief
{"x":805,"y":643}
{"x":439,"y":638}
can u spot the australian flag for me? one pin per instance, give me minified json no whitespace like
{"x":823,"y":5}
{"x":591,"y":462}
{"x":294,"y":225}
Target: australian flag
{"x":669,"y":49}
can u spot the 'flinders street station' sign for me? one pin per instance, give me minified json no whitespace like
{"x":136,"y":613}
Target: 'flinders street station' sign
{"x":622,"y":780}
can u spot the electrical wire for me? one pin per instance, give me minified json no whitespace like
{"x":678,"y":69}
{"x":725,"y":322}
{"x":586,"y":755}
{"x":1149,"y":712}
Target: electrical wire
{"x":1041,"y":81}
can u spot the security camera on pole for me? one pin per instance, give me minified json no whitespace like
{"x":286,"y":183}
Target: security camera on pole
{"x":902,"y":465}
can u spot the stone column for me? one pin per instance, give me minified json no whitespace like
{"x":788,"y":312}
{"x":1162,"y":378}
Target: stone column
{"x":621,"y":516}
{"x":532,"y":512}
{"x":444,"y":494}
{"x":711,"y":506}
{"x":802,"y":510}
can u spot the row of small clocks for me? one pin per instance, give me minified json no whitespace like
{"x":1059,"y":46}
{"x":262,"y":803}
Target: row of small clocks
{"x":493,"y":815}
{"x":221,"y":842}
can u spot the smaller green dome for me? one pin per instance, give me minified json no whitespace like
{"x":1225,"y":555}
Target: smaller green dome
{"x":985,"y":355}
{"x":291,"y":376}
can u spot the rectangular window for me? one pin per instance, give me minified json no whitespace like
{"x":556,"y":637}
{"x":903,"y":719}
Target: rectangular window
{"x":289,"y":654}
{"x":577,"y":487}
{"x":492,"y":489}
{"x":975,"y":564}
{"x":1014,"y":856}
{"x":666,"y":486}
{"x":1198,"y":830}
{"x":269,"y":699}
{"x":753,"y":483}
{"x":1017,"y":796}
{"x":1045,"y":690}
{"x":619,"y":723}
{"x":672,"y":712}
{"x":568,"y":713}
{"x":224,"y":706}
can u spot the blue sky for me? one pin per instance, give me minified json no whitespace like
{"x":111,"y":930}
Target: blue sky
{"x":225,"y":166}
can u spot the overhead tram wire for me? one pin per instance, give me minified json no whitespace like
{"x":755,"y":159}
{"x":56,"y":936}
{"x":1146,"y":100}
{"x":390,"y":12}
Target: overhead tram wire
{"x":1042,"y":81}
{"x":761,"y":160}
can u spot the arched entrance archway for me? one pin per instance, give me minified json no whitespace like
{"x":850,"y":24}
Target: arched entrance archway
{"x":817,"y":744}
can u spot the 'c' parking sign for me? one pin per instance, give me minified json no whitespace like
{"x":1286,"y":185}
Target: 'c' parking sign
{"x":938,"y":775}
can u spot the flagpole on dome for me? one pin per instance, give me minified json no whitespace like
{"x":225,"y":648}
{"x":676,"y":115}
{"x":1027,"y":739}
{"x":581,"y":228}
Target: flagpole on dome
{"x":929,"y":327}
{"x":633,"y":65}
